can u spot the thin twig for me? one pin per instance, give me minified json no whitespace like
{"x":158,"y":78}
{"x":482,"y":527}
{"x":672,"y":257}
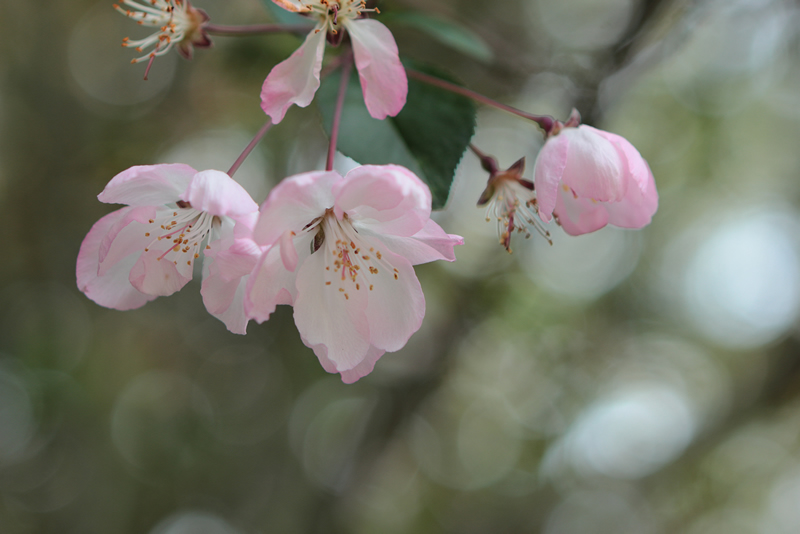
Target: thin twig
{"x":249,"y":148}
{"x":545,"y":121}
{"x":256,"y":29}
{"x":347,"y":67}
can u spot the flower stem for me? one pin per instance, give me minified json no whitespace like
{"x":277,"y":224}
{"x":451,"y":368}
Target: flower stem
{"x":256,"y":29}
{"x":347,"y":67}
{"x":243,"y":156}
{"x":545,"y":121}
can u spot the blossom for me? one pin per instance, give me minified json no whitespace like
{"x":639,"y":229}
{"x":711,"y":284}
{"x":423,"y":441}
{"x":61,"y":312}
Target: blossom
{"x":341,"y":251}
{"x":510,"y":200}
{"x":587,"y":178}
{"x":174,"y":215}
{"x":177,"y":22}
{"x":296,"y":80}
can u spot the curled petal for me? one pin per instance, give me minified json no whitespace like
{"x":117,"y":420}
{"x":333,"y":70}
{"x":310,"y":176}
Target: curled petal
{"x":388,"y":199}
{"x":549,"y":170}
{"x":271,"y":283}
{"x":296,"y":79}
{"x":295,"y":6}
{"x":429,"y":244}
{"x":218,"y":194}
{"x":148,"y":185}
{"x":383,"y":78}
{"x":112,"y":289}
{"x":294,"y":203}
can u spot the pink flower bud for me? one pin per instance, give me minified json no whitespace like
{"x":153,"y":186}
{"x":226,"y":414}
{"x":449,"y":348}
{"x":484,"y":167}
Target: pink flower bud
{"x":587,"y":178}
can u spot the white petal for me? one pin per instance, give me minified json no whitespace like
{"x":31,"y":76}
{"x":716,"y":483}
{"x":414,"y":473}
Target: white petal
{"x":324,"y":315}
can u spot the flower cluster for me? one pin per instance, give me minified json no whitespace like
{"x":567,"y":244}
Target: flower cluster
{"x":340,"y":250}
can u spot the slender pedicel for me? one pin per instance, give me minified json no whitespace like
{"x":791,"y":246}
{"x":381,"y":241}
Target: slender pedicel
{"x":257,"y":29}
{"x":347,"y":67}
{"x":545,"y":121}
{"x":243,"y":156}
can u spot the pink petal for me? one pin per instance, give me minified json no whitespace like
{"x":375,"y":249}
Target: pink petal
{"x":296,"y":79}
{"x":218,"y":194}
{"x":594,"y":168}
{"x":293,"y":204}
{"x":112,"y":290}
{"x":127,"y":236}
{"x":429,"y":244}
{"x":396,"y":304}
{"x":364,"y":368}
{"x":154,"y":275}
{"x":326,"y":316}
{"x":271,"y":283}
{"x":383,"y":78}
{"x":224,"y":299}
{"x":295,"y":6}
{"x":547,"y":174}
{"x":288,"y":253}
{"x":641,"y":200}
{"x":233,"y":258}
{"x":351,"y":375}
{"x":148,"y":185}
{"x":580,"y":215}
{"x":388,"y":199}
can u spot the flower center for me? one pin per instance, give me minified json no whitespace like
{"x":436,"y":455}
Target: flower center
{"x":351,"y":264}
{"x":181,"y":233}
{"x":333,"y":14}
{"x":173,"y":18}
{"x":514,"y":208}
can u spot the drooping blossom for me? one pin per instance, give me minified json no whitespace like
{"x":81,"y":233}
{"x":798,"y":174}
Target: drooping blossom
{"x":341,"y":250}
{"x":296,"y":80}
{"x":178,"y":23}
{"x":588,"y":178}
{"x":510,"y":200}
{"x":174,"y":216}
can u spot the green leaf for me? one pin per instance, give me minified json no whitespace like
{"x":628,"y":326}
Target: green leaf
{"x":445,"y":31}
{"x":429,"y":136}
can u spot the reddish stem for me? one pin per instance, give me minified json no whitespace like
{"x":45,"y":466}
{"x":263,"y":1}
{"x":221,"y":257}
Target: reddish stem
{"x":256,"y":29}
{"x":347,"y":67}
{"x":243,"y":156}
{"x":545,"y":121}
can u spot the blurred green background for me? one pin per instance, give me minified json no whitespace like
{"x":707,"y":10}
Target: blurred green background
{"x":621,"y":382}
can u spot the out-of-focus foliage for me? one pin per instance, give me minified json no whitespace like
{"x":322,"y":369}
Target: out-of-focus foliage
{"x":620,"y":382}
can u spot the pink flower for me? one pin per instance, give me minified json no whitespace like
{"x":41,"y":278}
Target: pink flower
{"x":177,"y":22}
{"x":341,"y":251}
{"x":296,"y":80}
{"x":148,"y":249}
{"x":588,"y":178}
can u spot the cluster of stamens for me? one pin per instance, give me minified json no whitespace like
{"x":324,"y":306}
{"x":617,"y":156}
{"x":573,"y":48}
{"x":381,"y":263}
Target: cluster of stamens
{"x":349,"y":263}
{"x":171,"y":17}
{"x":334,"y":13}
{"x":514,"y":213}
{"x":186,"y":229}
